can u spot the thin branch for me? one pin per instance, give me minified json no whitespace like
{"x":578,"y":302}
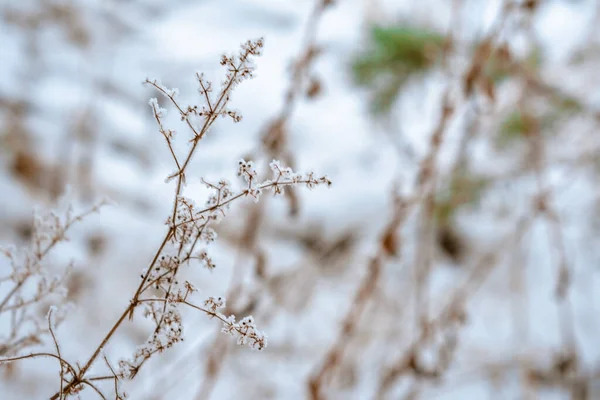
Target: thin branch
{"x":57,"y":349}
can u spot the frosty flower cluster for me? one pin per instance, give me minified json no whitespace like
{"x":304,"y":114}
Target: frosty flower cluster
{"x":206,"y":260}
{"x":190,"y":222}
{"x":162,"y":273}
{"x":244,"y":331}
{"x":214,"y":303}
{"x":285,"y":174}
{"x":246,"y":170}
{"x":169,"y":330}
{"x":282,"y":176}
{"x":221,"y":193}
{"x":48,"y":230}
{"x":240,"y":67}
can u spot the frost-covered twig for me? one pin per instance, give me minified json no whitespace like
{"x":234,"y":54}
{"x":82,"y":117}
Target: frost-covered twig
{"x":28,"y":270}
{"x":188,"y":226}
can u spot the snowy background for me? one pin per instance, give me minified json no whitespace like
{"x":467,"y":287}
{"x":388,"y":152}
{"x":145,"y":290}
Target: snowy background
{"x":73,"y":111}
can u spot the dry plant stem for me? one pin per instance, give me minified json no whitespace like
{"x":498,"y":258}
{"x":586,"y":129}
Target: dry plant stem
{"x":427,"y":175}
{"x":274,"y":137}
{"x":387,"y":248}
{"x":388,"y":243}
{"x":454,"y":308}
{"x":335,"y":353}
{"x":555,"y":239}
{"x":536,"y":84}
{"x":37,"y":355}
{"x":12,"y":292}
{"x":62,"y":373}
{"x":114,"y":378}
{"x":87,"y":382}
{"x":426,"y":190}
{"x":520,"y":298}
{"x":303,"y":63}
{"x":563,"y":277}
